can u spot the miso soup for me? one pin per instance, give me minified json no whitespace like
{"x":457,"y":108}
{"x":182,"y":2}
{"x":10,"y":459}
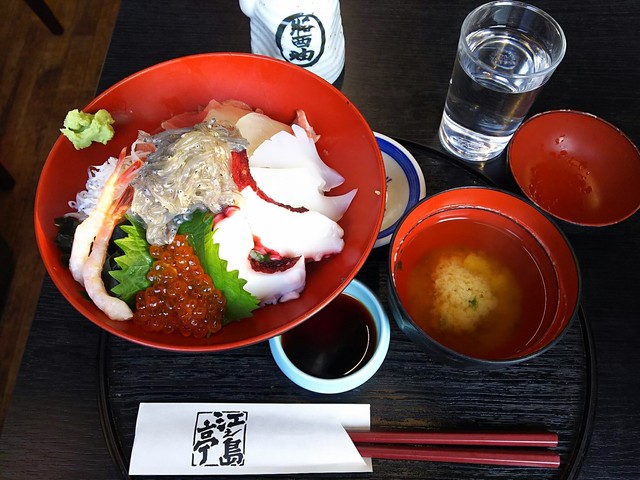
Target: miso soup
{"x":473,"y":287}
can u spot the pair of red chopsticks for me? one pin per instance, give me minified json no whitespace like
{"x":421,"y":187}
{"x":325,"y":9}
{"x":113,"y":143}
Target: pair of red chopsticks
{"x":420,"y":446}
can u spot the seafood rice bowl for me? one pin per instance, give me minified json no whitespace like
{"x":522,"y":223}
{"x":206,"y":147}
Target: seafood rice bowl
{"x":229,"y":206}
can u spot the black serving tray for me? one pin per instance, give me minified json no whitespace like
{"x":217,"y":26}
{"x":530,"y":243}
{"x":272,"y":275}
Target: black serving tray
{"x":553,"y":392}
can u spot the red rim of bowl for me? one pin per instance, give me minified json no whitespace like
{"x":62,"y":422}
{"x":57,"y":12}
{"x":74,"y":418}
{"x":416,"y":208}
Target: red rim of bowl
{"x":269,"y":70}
{"x":518,"y":171}
{"x":572,"y":305}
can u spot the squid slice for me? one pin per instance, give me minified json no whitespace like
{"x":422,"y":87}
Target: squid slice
{"x":233,"y":234}
{"x":291,"y":234}
{"x":300,"y":187}
{"x":284,"y":150}
{"x":258,"y":128}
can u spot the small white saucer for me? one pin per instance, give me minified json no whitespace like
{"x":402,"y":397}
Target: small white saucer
{"x":405,"y":185}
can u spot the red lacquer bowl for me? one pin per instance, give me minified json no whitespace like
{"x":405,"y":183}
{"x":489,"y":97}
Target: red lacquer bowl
{"x":577,"y":167}
{"x":143,"y":100}
{"x":508,"y":230}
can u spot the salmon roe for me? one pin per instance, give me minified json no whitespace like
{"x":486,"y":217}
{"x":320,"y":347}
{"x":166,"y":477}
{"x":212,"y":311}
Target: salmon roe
{"x":182,"y":297}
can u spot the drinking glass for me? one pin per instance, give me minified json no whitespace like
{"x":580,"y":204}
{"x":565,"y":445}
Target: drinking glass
{"x":506,"y":52}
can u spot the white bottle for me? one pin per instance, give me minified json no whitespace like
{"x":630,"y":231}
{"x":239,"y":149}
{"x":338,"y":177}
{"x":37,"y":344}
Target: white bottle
{"x":307,"y":33}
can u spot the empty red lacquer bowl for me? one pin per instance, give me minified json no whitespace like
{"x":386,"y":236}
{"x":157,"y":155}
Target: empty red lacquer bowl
{"x":481,"y":278}
{"x":577,"y":167}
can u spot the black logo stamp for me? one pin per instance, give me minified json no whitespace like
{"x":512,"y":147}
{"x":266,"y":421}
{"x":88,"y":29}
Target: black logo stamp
{"x":301,"y":39}
{"x":219,"y":439}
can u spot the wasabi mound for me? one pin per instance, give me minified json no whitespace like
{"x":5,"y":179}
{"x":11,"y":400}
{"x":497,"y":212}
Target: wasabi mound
{"x":84,"y":128}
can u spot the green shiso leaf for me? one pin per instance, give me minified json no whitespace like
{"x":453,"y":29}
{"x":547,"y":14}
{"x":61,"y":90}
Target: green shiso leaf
{"x":198,"y":230}
{"x":134,"y":263}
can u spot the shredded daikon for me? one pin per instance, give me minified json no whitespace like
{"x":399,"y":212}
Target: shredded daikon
{"x":86,"y":199}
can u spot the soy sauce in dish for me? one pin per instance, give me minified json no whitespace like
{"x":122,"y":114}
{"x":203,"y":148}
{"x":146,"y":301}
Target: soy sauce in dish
{"x":335,"y":342}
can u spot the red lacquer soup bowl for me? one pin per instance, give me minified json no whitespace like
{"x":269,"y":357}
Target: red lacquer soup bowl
{"x":143,"y":100}
{"x":479,"y":277}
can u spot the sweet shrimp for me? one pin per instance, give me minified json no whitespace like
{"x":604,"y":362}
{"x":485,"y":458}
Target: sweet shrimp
{"x":92,"y":236}
{"x":115,"y":308}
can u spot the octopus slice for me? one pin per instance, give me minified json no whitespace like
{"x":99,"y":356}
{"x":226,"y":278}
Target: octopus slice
{"x":233,"y":234}
{"x":301,"y":187}
{"x":290,"y":233}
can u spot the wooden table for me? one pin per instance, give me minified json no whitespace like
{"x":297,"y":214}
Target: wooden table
{"x":78,"y":386}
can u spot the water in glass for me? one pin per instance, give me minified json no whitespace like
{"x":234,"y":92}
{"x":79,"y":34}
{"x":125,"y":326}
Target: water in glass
{"x":492,"y":86}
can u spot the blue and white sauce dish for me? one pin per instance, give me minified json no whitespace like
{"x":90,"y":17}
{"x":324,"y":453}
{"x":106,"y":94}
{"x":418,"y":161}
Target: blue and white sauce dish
{"x":405,"y":185}
{"x":339,"y":348}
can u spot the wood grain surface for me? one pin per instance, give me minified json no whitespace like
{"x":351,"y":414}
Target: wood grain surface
{"x":43,"y":77}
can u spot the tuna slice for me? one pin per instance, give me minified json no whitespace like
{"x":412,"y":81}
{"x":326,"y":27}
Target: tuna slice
{"x":229,"y":111}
